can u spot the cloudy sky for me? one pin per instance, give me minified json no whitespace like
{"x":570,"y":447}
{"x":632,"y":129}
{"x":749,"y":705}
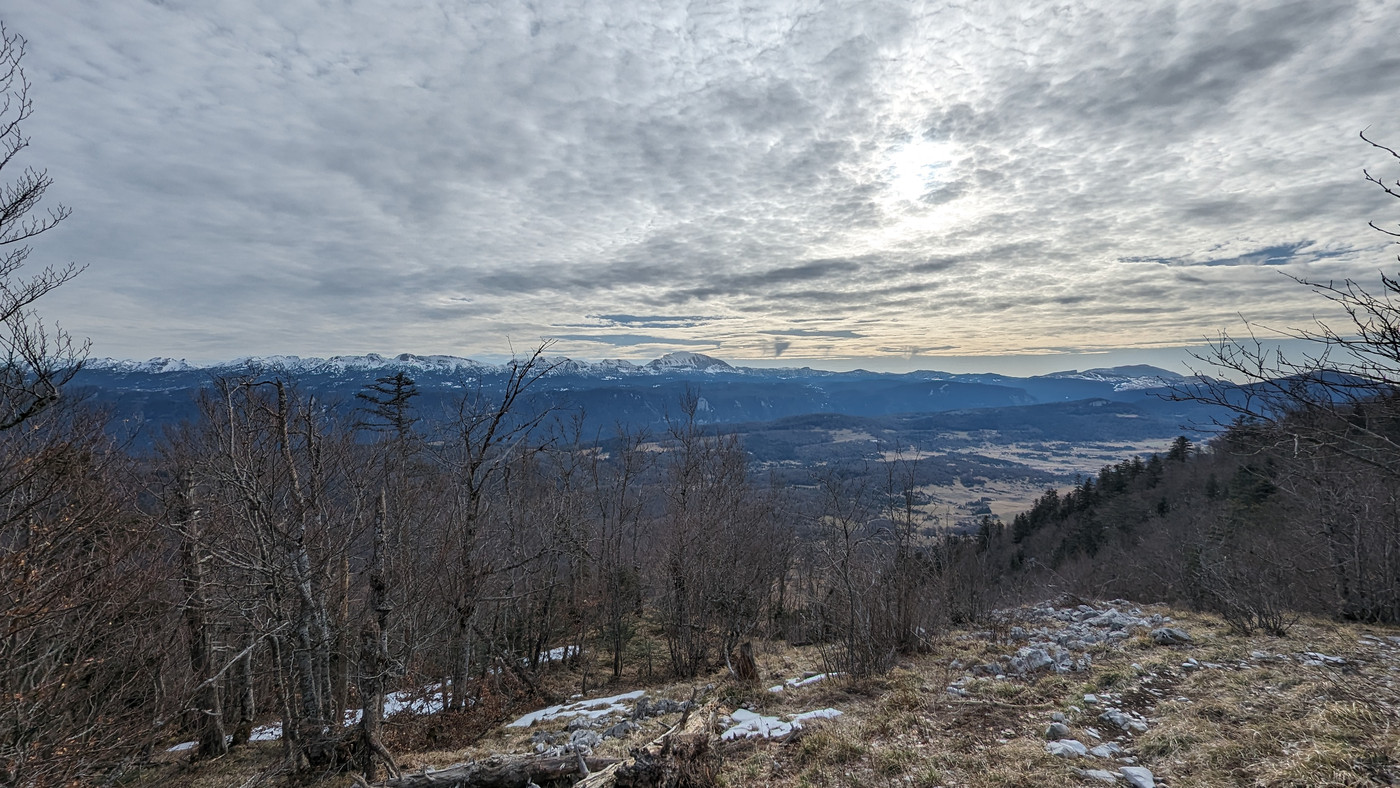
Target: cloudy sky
{"x":883,"y":184}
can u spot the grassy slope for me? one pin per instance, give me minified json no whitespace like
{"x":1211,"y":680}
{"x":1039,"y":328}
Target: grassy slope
{"x":1254,"y":720}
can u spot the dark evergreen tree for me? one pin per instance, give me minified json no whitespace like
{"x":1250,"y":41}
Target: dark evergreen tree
{"x":387,"y":405}
{"x":1180,"y":450}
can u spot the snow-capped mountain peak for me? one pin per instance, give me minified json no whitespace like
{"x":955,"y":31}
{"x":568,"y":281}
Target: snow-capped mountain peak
{"x":687,"y":360}
{"x":411,"y":363}
{"x":153,"y":366}
{"x":1130,"y":377}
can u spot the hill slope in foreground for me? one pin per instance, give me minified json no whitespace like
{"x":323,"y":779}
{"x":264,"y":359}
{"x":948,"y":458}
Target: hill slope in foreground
{"x":1075,"y":695}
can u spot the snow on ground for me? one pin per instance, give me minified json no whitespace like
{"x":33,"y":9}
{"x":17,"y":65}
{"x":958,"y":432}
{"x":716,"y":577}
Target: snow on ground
{"x":597,"y":707}
{"x":428,"y":700}
{"x":749,"y":725}
{"x":558,"y":654}
{"x":271,"y":732}
{"x":801,"y":682}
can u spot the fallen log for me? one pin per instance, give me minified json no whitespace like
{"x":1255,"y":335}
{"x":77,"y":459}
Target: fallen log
{"x":680,"y":757}
{"x":504,"y":772}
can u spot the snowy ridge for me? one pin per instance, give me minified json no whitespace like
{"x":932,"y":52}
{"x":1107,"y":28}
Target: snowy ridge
{"x":688,"y":360}
{"x":368,"y":362}
{"x":153,"y":366}
{"x":682,"y":363}
{"x":409,"y":362}
{"x":1133,"y":377}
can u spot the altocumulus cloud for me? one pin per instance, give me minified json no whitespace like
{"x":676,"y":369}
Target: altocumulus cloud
{"x":992,"y":177}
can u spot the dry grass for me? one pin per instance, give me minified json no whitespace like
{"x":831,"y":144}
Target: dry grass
{"x":1272,"y":723}
{"x":1268,"y":723}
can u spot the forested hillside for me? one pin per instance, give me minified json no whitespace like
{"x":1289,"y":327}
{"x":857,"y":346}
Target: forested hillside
{"x":265,"y":562}
{"x":1246,"y":526}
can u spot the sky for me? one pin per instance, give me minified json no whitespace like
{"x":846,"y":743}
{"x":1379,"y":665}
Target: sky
{"x":887,"y":185}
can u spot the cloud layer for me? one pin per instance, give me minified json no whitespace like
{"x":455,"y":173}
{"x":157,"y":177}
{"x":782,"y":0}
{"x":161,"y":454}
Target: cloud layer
{"x":815,"y":180}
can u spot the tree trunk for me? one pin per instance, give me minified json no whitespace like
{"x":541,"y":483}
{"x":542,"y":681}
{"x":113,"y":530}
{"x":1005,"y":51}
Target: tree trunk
{"x":499,"y":772}
{"x":340,"y":666}
{"x":206,"y":701}
{"x":374,"y":655}
{"x":242,"y":700}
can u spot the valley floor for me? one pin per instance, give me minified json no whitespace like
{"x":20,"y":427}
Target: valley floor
{"x":1074,"y":695}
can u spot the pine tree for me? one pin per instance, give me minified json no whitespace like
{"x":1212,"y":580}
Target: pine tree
{"x":387,"y":407}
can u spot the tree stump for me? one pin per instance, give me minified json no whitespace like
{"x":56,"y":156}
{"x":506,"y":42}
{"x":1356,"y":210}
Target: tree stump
{"x":745,"y":668}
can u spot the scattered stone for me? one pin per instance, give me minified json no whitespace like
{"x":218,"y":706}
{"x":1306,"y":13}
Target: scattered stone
{"x":647,"y":707}
{"x":1137,"y":776}
{"x":1105,"y":750}
{"x":1091,"y":699}
{"x":1058,"y":731}
{"x":619,"y":730}
{"x":589,"y":739}
{"x":1115,"y":718}
{"x":1124,"y":722}
{"x":1066,"y":748}
{"x":1057,"y":717}
{"x":1170,"y":636}
{"x":1098,"y":774}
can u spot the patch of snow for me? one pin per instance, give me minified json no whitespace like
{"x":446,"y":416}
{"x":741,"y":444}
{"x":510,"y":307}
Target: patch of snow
{"x":426,"y":701}
{"x":429,"y":700}
{"x":819,"y":714}
{"x":557,"y":654}
{"x":597,"y":707}
{"x":794,"y":683}
{"x":750,"y":725}
{"x":271,"y":732}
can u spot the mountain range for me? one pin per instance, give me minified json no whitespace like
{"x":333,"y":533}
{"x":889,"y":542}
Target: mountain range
{"x":613,"y":392}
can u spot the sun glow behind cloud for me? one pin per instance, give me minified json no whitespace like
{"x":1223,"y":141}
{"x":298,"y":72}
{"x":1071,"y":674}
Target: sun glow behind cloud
{"x":919,"y":168}
{"x":819,"y":180}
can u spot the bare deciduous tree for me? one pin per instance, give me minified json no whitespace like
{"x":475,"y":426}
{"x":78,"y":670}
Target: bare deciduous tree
{"x":37,"y":360}
{"x":488,"y":427}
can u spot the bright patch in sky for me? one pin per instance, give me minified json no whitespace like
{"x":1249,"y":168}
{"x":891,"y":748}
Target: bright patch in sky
{"x":919,"y":167}
{"x":836,"y":183}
